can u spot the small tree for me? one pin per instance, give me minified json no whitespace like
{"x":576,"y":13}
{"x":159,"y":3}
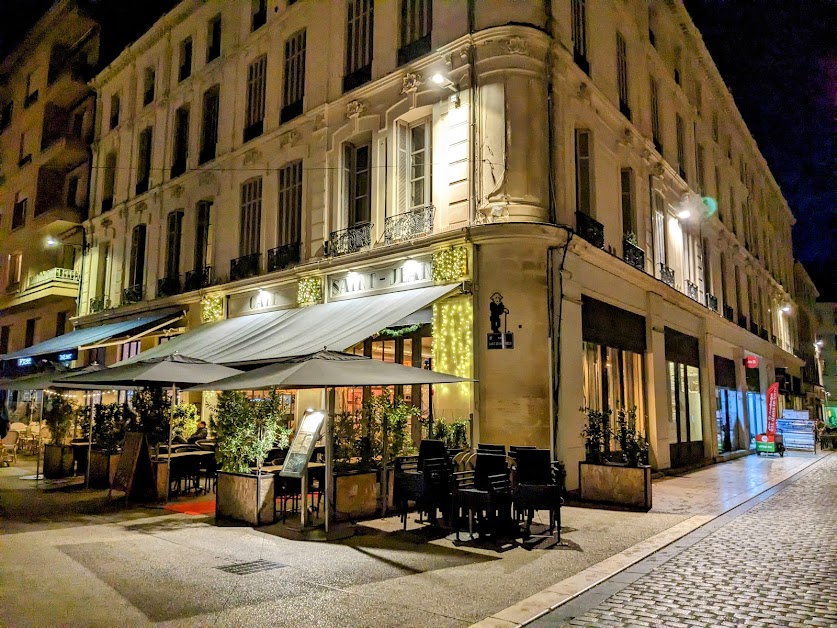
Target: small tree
{"x":152,"y":407}
{"x":109,"y":426}
{"x":596,"y":435}
{"x":246,"y":429}
{"x":58,"y":416}
{"x":185,"y":419}
{"x":633,"y":444}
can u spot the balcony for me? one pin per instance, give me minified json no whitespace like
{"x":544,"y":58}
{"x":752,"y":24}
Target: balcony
{"x":712,"y":302}
{"x":62,"y":151}
{"x":666,"y":275}
{"x":132,"y":294}
{"x":198,"y":278}
{"x":283,"y":257}
{"x":178,"y":167}
{"x":414,"y":50}
{"x":742,"y":321}
{"x":589,"y":229}
{"x":141,"y":187}
{"x":254,"y":130}
{"x":245,"y":266}
{"x":763,"y":334}
{"x":357,"y":78}
{"x":98,"y":304}
{"x":754,"y":329}
{"x":65,"y":275}
{"x":168,"y":286}
{"x":729,"y":314}
{"x":67,"y":84}
{"x":350,"y":240}
{"x":633,"y":255}
{"x":692,"y":290}
{"x":409,"y":225}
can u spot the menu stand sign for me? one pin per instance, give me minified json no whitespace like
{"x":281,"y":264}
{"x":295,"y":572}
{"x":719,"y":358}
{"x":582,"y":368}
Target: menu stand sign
{"x":301,"y":450}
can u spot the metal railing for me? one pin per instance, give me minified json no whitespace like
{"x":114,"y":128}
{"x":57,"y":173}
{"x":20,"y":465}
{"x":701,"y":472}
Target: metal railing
{"x":198,"y":278}
{"x":634,"y":255}
{"x":283,"y":256}
{"x":55,"y":274}
{"x":350,"y":240}
{"x":132,"y":294}
{"x":245,"y":266}
{"x":712,"y":302}
{"x":99,"y":304}
{"x":691,"y":290}
{"x":729,"y":314}
{"x":742,"y":321}
{"x":666,"y":275}
{"x":589,"y":229}
{"x":168,"y":286}
{"x":411,"y":224}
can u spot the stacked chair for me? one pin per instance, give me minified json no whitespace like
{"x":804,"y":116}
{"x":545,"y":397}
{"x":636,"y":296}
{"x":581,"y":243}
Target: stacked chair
{"x":424,"y":479}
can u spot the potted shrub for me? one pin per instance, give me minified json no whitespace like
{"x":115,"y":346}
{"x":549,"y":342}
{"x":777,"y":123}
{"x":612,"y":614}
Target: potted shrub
{"x":246,"y":431}
{"x":454,"y":435}
{"x":58,"y":456}
{"x":108,"y":434}
{"x":185,"y":420}
{"x":621,"y":477}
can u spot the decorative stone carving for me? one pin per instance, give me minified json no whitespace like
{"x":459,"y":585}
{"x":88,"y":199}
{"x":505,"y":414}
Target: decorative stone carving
{"x":290,"y":138}
{"x":177,"y":191}
{"x":140,"y":207}
{"x":355,"y":109}
{"x":626,"y":138}
{"x":583,"y":91}
{"x":207,"y":177}
{"x":517,"y":46}
{"x":658,"y":170}
{"x":410,"y":83}
{"x":319,"y":122}
{"x":252,"y":156}
{"x":106,"y":222}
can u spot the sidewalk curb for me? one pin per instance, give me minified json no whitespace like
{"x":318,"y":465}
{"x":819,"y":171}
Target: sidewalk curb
{"x":558,"y":594}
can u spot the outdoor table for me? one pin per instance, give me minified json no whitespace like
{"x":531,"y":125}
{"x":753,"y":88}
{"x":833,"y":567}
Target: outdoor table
{"x":275,"y":468}
{"x":180,"y":460}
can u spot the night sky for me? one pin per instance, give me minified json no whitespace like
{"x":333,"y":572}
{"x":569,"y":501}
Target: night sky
{"x":779,"y":59}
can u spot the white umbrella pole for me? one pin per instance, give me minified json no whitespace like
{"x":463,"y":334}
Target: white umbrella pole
{"x":38,"y":453}
{"x":329,"y":453}
{"x":171,"y":423}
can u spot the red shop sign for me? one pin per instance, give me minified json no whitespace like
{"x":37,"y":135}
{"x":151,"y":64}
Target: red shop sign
{"x":751,"y":362}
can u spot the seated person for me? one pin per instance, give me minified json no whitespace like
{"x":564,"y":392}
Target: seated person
{"x":178,"y":439}
{"x":199,"y":434}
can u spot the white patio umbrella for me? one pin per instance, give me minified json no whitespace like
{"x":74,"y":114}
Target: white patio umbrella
{"x":175,"y":371}
{"x":330,"y":369}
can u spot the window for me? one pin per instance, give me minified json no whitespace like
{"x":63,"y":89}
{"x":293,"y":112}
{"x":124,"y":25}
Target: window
{"x":77,"y":126}
{"x":583,"y":180}
{"x":413,"y":166}
{"x":701,"y":174}
{"x":6,"y":114}
{"x":359,"y":37}
{"x":148,"y":86}
{"x":174,"y":231}
{"x":72,"y":192}
{"x":109,"y":181}
{"x":29,"y":340}
{"x":655,"y":117}
{"x":724,"y":280}
{"x":19,"y":212}
{"x":24,"y":155}
{"x":416,"y":22}
{"x":628,"y":210}
{"x":681,"y":147}
{"x":259,"y":15}
{"x":209,"y":128}
{"x":715,"y":127}
{"x":251,"y":217}
{"x":622,"y":75}
{"x":357,"y":171}
{"x":290,"y":204}
{"x":103,"y":271}
{"x":613,"y":379}
{"x":254,"y":116}
{"x":15,"y":269}
{"x":721,"y":208}
{"x":136,"y":270}
{"x":579,"y":17}
{"x":213,"y":39}
{"x":294,"y":87}
{"x":5,"y":332}
{"x":203,"y":235}
{"x":699,"y":97}
{"x":144,"y":160}
{"x":60,"y":323}
{"x":181,"y":141}
{"x":732,"y":217}
{"x":114,"y":111}
{"x":185,"y":69}
{"x":678,"y":53}
{"x":652,"y":23}
{"x":31,"y":94}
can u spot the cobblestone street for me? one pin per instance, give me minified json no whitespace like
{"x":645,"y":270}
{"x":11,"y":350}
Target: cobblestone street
{"x":774,"y":564}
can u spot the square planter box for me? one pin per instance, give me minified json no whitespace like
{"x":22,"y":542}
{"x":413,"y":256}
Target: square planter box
{"x":629,"y":487}
{"x":58,"y":461}
{"x":357,"y":494}
{"x":101,"y":475}
{"x":246,"y":497}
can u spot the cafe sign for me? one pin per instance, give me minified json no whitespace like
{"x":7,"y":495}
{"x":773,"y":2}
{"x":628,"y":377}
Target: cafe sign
{"x":404,"y":275}
{"x":262,"y":300}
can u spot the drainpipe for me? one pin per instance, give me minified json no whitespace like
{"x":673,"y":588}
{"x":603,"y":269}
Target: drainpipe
{"x":555,"y":328}
{"x":472,"y":107}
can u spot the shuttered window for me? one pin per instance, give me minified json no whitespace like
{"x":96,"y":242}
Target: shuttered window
{"x":203,"y":235}
{"x":136,"y":274}
{"x":655,"y":116}
{"x":256,"y":83}
{"x":622,"y":74}
{"x":416,"y":22}
{"x":359,"y":39}
{"x":294,"y":86}
{"x":209,"y":128}
{"x":251,"y":216}
{"x":626,"y":179}
{"x":413,"y":165}
{"x":357,"y":183}
{"x":290,"y":204}
{"x":174,"y":232}
{"x":144,"y":160}
{"x":583,"y":180}
{"x":681,"y":147}
{"x":579,"y":17}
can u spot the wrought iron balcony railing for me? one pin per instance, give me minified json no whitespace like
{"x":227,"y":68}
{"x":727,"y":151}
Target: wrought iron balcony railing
{"x":634,"y":255}
{"x":763,"y":333}
{"x":691,"y":290}
{"x":774,"y":339}
{"x":350,"y":240}
{"x":712,"y":302}
{"x":742,"y":321}
{"x":245,"y":266}
{"x":168,"y":286}
{"x":411,"y":224}
{"x":754,"y":329}
{"x":198,"y":278}
{"x":729,"y":314}
{"x":99,"y":304}
{"x":283,"y":256}
{"x":666,"y":275}
{"x":589,"y":229}
{"x":132,"y":294}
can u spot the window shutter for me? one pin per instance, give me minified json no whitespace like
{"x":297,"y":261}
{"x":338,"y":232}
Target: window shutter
{"x":402,"y":166}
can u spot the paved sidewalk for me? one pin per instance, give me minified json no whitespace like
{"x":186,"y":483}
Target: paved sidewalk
{"x":140,"y":566}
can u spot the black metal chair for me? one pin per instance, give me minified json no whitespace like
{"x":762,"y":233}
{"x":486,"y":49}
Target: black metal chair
{"x":484,"y":491}
{"x":538,"y":484}
{"x":489,"y":448}
{"x":427,"y":485}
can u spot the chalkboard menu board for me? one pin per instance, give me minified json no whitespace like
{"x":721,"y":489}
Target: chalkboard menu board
{"x":302,"y":448}
{"x":135,"y":473}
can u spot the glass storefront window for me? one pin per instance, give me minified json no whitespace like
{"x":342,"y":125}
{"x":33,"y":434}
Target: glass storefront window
{"x":756,"y":407}
{"x":613,"y":379}
{"x":684,"y":385}
{"x":693,"y":388}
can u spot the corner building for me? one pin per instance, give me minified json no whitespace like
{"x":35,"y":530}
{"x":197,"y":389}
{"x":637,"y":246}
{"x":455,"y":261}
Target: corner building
{"x":506,"y":191}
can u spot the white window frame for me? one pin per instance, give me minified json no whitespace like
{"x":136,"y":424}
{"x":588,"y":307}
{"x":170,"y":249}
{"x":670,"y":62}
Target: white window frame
{"x":405,"y":159}
{"x":256,"y":91}
{"x":290,"y":196}
{"x":249,"y":242}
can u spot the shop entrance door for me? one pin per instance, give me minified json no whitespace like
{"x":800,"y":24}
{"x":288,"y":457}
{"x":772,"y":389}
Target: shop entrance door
{"x":727,"y":417}
{"x":685,"y":410}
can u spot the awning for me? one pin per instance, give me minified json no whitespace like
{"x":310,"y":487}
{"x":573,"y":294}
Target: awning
{"x":83,"y":338}
{"x":260,"y":338}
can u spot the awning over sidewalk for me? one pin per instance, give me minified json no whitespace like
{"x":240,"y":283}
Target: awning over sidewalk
{"x":83,"y":338}
{"x":259,"y":338}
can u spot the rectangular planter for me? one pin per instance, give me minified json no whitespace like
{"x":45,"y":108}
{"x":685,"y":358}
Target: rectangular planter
{"x":629,"y":487}
{"x":101,"y":475}
{"x":246,"y":497}
{"x":356,"y":495}
{"x":58,"y":461}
